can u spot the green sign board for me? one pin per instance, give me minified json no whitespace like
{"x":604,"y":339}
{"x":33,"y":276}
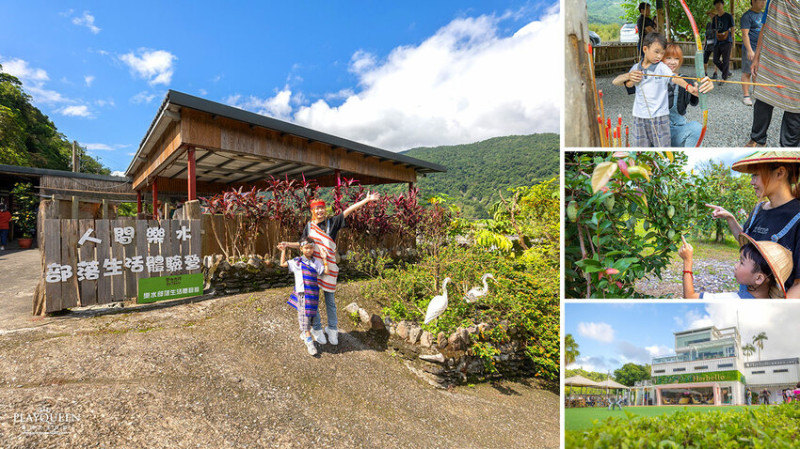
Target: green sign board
{"x":717,"y":376}
{"x":170,"y":287}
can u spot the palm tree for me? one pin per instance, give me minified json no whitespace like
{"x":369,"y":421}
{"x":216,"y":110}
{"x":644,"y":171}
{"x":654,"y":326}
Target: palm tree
{"x":748,"y":350}
{"x":570,"y":350}
{"x":758,"y":340}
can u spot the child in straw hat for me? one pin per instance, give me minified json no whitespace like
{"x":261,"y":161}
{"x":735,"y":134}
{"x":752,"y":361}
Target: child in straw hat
{"x":761,"y":270}
{"x":774,"y":176}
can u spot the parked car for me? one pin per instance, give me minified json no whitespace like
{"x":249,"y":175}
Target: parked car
{"x":629,"y":33}
{"x":594,"y":38}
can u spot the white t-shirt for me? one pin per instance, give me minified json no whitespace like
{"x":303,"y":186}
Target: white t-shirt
{"x":723,"y":295}
{"x":654,"y":88}
{"x":294,"y":267}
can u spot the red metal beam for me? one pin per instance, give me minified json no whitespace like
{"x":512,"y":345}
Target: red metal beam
{"x":155,"y":198}
{"x":191,"y":174}
{"x":139,"y":202}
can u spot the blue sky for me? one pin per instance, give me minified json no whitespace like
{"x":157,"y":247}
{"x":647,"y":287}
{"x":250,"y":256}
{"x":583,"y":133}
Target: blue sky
{"x":612,"y":334}
{"x":396,"y":75}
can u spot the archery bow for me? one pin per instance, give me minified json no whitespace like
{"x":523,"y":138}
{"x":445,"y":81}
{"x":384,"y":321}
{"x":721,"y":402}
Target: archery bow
{"x":699,"y":68}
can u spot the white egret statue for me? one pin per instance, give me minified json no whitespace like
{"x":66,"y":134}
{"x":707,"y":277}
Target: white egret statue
{"x":477,"y":292}
{"x":438,"y":304}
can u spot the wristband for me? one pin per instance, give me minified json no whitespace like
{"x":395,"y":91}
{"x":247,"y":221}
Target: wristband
{"x":688,"y":271}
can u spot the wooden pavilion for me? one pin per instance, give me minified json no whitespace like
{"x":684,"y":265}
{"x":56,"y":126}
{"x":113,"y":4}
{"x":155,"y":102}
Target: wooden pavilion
{"x":199,"y":146}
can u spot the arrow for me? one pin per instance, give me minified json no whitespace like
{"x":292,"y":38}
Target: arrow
{"x":718,"y":81}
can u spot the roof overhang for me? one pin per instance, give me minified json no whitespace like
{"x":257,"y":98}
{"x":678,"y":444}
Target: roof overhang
{"x":234,"y":147}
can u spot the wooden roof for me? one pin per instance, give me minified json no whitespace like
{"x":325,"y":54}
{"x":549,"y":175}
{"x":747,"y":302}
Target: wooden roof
{"x":234,"y":147}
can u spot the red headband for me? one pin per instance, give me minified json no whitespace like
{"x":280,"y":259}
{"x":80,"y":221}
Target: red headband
{"x":316,"y":203}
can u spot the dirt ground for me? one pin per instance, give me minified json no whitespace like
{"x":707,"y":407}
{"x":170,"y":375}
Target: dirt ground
{"x":232,"y":372}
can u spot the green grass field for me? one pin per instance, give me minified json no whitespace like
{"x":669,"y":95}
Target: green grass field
{"x":581,"y":418}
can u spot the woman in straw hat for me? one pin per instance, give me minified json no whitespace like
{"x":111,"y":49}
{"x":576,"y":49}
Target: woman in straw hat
{"x":762,"y":269}
{"x":774,"y":177}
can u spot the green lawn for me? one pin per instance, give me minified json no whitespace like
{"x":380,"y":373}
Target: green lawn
{"x":581,"y":418}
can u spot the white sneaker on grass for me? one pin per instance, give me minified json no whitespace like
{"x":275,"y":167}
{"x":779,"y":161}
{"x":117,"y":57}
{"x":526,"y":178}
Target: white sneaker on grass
{"x":319,"y":336}
{"x":333,"y":335}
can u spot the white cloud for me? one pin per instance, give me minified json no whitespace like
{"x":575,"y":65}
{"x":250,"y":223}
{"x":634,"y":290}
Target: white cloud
{"x":86,"y":20}
{"x":34,"y":80}
{"x":88,"y":79}
{"x":658,"y":351}
{"x":118,"y":173}
{"x":202,"y":92}
{"x":24,"y":72}
{"x":778,"y":320}
{"x":103,"y":103}
{"x":75,"y":111}
{"x":156,"y":66}
{"x":463,"y":84}
{"x":97,"y":146}
{"x":143,"y":97}
{"x":277,"y":106}
{"x":602,"y":332}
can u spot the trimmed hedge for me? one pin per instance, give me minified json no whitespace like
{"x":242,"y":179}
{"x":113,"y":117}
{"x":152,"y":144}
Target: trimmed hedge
{"x":775,"y":426}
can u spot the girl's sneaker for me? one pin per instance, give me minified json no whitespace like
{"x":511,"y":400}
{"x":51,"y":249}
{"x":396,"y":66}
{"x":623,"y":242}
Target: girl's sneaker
{"x":312,"y":349}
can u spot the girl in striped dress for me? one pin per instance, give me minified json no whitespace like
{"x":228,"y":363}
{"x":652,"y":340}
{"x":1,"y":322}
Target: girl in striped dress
{"x":305,"y":297}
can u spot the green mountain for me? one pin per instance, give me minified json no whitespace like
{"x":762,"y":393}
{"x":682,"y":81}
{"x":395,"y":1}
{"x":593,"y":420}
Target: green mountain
{"x":28,"y":138}
{"x":477,"y":171}
{"x":604,"y":12}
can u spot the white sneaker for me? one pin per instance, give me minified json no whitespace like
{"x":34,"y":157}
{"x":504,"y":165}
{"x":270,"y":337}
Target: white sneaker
{"x":312,"y":349}
{"x":747,"y":101}
{"x":319,"y":335}
{"x":333,"y":335}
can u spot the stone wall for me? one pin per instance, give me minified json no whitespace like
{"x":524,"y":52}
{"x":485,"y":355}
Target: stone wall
{"x":443,"y":360}
{"x":255,"y":274}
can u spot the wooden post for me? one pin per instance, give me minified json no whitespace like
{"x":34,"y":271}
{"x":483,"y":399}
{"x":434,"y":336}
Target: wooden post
{"x":155,"y":198}
{"x":666,"y":21}
{"x":192,"y":176}
{"x":104,"y":209}
{"x":192,"y":210}
{"x":75,"y":159}
{"x":580,"y":104}
{"x":75,"y":208}
{"x":660,"y":17}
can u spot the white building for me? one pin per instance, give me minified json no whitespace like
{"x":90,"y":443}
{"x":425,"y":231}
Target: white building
{"x":708,"y":368}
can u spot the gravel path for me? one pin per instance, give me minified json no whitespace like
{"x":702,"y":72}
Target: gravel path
{"x":729,"y":120}
{"x":232,"y":372}
{"x":713,"y":276}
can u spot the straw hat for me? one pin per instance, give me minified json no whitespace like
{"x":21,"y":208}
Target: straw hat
{"x":748,"y":164}
{"x":778,"y":258}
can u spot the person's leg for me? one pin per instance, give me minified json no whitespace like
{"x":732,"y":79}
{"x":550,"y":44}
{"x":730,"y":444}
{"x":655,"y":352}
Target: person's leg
{"x":3,"y":238}
{"x":762,"y":116}
{"x":746,"y":79}
{"x":639,"y":133}
{"x":718,"y":59}
{"x":333,"y":321}
{"x":726,"y":60}
{"x":790,"y":129}
{"x":662,"y":136}
{"x":691,"y":134}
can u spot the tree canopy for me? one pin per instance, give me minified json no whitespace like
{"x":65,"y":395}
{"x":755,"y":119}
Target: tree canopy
{"x":29,"y":138}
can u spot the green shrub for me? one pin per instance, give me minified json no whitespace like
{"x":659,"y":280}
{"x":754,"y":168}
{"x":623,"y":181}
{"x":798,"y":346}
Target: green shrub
{"x":756,"y":427}
{"x":523,"y":300}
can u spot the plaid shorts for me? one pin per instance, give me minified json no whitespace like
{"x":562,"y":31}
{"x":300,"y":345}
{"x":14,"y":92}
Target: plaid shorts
{"x":650,"y":132}
{"x":302,"y":318}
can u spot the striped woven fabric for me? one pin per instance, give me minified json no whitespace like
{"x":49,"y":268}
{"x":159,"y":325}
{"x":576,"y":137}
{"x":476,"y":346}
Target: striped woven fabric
{"x":779,"y":60}
{"x":311,"y":290}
